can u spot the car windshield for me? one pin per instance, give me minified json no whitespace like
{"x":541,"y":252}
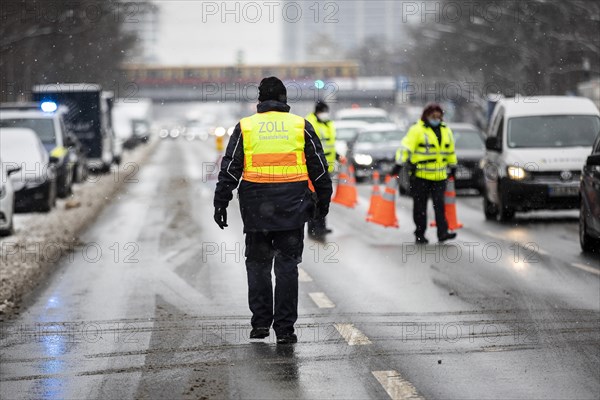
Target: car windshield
{"x":467,"y":140}
{"x":372,"y":119}
{"x":553,"y":131}
{"x":380,"y":136}
{"x":43,"y":127}
{"x":346,"y":133}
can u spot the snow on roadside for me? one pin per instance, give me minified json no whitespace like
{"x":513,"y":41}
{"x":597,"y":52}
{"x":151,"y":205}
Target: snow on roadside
{"x":41,"y":240}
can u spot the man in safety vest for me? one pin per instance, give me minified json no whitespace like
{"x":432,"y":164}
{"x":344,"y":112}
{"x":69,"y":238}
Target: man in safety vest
{"x":325,"y":129}
{"x":274,"y":154}
{"x":427,"y":151}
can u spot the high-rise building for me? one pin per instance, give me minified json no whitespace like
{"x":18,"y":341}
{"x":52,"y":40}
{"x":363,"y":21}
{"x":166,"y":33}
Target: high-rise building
{"x":328,"y":29}
{"x":141,"y":18}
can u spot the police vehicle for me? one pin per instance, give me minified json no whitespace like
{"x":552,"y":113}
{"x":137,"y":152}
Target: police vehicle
{"x":47,"y":122}
{"x":35,"y":184}
{"x":88,"y":117}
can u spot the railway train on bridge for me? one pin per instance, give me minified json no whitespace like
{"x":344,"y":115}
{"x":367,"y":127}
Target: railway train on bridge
{"x":193,"y":75}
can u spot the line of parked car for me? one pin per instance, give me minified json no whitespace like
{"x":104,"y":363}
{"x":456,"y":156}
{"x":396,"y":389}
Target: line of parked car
{"x":48,"y":145}
{"x":542,"y":154}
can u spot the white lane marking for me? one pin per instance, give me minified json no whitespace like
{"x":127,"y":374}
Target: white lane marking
{"x":321,"y":300}
{"x":396,"y":386}
{"x":352,"y":335}
{"x":303,"y":276}
{"x":586,"y":268}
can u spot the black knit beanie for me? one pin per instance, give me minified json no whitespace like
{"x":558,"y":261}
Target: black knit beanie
{"x":272,"y":88}
{"x":321,"y":106}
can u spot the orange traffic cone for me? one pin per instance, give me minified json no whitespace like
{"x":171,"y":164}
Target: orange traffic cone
{"x":345,"y":193}
{"x":375,"y":195}
{"x":385,"y":212}
{"x":450,"y":206}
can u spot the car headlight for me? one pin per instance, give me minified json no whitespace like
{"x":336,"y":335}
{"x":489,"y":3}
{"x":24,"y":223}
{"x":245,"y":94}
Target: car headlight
{"x":516,"y":173}
{"x":363,"y":159}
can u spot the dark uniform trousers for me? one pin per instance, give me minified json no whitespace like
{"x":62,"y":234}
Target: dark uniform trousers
{"x":421,"y":190}
{"x":283,"y":250}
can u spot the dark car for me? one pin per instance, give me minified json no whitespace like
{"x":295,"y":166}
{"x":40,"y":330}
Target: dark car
{"x":35,"y":184}
{"x":375,"y":149}
{"x":589,"y":217}
{"x":470,"y":149}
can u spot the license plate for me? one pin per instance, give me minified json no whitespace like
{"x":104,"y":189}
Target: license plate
{"x":464,"y":174}
{"x":563,"y":191}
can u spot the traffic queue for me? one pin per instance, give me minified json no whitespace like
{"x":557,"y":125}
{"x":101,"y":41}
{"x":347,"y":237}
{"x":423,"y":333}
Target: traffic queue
{"x":540,"y":155}
{"x":51,"y":143}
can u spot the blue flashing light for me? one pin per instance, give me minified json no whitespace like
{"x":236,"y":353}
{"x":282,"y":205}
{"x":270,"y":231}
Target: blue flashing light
{"x":319,"y":84}
{"x":49,"y":106}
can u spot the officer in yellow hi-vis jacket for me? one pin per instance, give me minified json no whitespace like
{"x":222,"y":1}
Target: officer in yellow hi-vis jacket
{"x":272,"y":155}
{"x":325,"y":129}
{"x":428,"y":152}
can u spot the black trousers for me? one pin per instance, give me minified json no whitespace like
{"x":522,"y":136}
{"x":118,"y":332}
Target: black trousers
{"x":284,"y":251}
{"x":421,"y":190}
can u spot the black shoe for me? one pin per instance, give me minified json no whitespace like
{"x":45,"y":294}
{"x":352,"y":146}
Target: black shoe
{"x":287,"y":339}
{"x":421,"y":240}
{"x":328,"y":230}
{"x":447,"y":236}
{"x":259,"y":333}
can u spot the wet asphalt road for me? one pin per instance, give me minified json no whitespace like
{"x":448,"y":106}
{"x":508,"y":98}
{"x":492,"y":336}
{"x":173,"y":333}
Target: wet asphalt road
{"x":154,"y":306}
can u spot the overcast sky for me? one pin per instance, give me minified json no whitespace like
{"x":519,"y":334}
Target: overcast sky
{"x":192,"y":33}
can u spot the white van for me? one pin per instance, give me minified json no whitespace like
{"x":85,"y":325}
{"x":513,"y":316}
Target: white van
{"x":535,"y":150}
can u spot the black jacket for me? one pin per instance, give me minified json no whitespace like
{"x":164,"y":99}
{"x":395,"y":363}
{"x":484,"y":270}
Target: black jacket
{"x":274,"y":206}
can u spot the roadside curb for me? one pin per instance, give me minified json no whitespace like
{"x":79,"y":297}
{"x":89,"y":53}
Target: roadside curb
{"x":30,"y":255}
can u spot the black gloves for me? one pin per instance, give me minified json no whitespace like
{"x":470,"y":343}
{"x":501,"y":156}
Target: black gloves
{"x":452,"y":172}
{"x":322,"y":211}
{"x":396,"y":170}
{"x":221,"y":217}
{"x":412,"y":168}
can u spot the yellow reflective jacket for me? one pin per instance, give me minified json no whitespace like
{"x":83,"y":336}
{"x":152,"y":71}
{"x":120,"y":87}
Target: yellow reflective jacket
{"x":274,"y":148}
{"x":326,"y":132}
{"x":420,"y":147}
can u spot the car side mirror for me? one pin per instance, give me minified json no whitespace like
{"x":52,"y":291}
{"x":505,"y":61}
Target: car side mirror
{"x":593,"y":160}
{"x":492,"y":144}
{"x":12,"y":170}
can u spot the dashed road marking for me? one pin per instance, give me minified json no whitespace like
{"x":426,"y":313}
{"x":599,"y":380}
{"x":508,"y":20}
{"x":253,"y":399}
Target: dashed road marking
{"x":352,"y":335}
{"x":303,"y":276}
{"x":396,"y":386}
{"x":321,"y":300}
{"x":586,"y":268}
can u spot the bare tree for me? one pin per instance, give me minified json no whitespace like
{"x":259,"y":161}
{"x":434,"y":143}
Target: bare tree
{"x":47,"y":41}
{"x":530,"y":47}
